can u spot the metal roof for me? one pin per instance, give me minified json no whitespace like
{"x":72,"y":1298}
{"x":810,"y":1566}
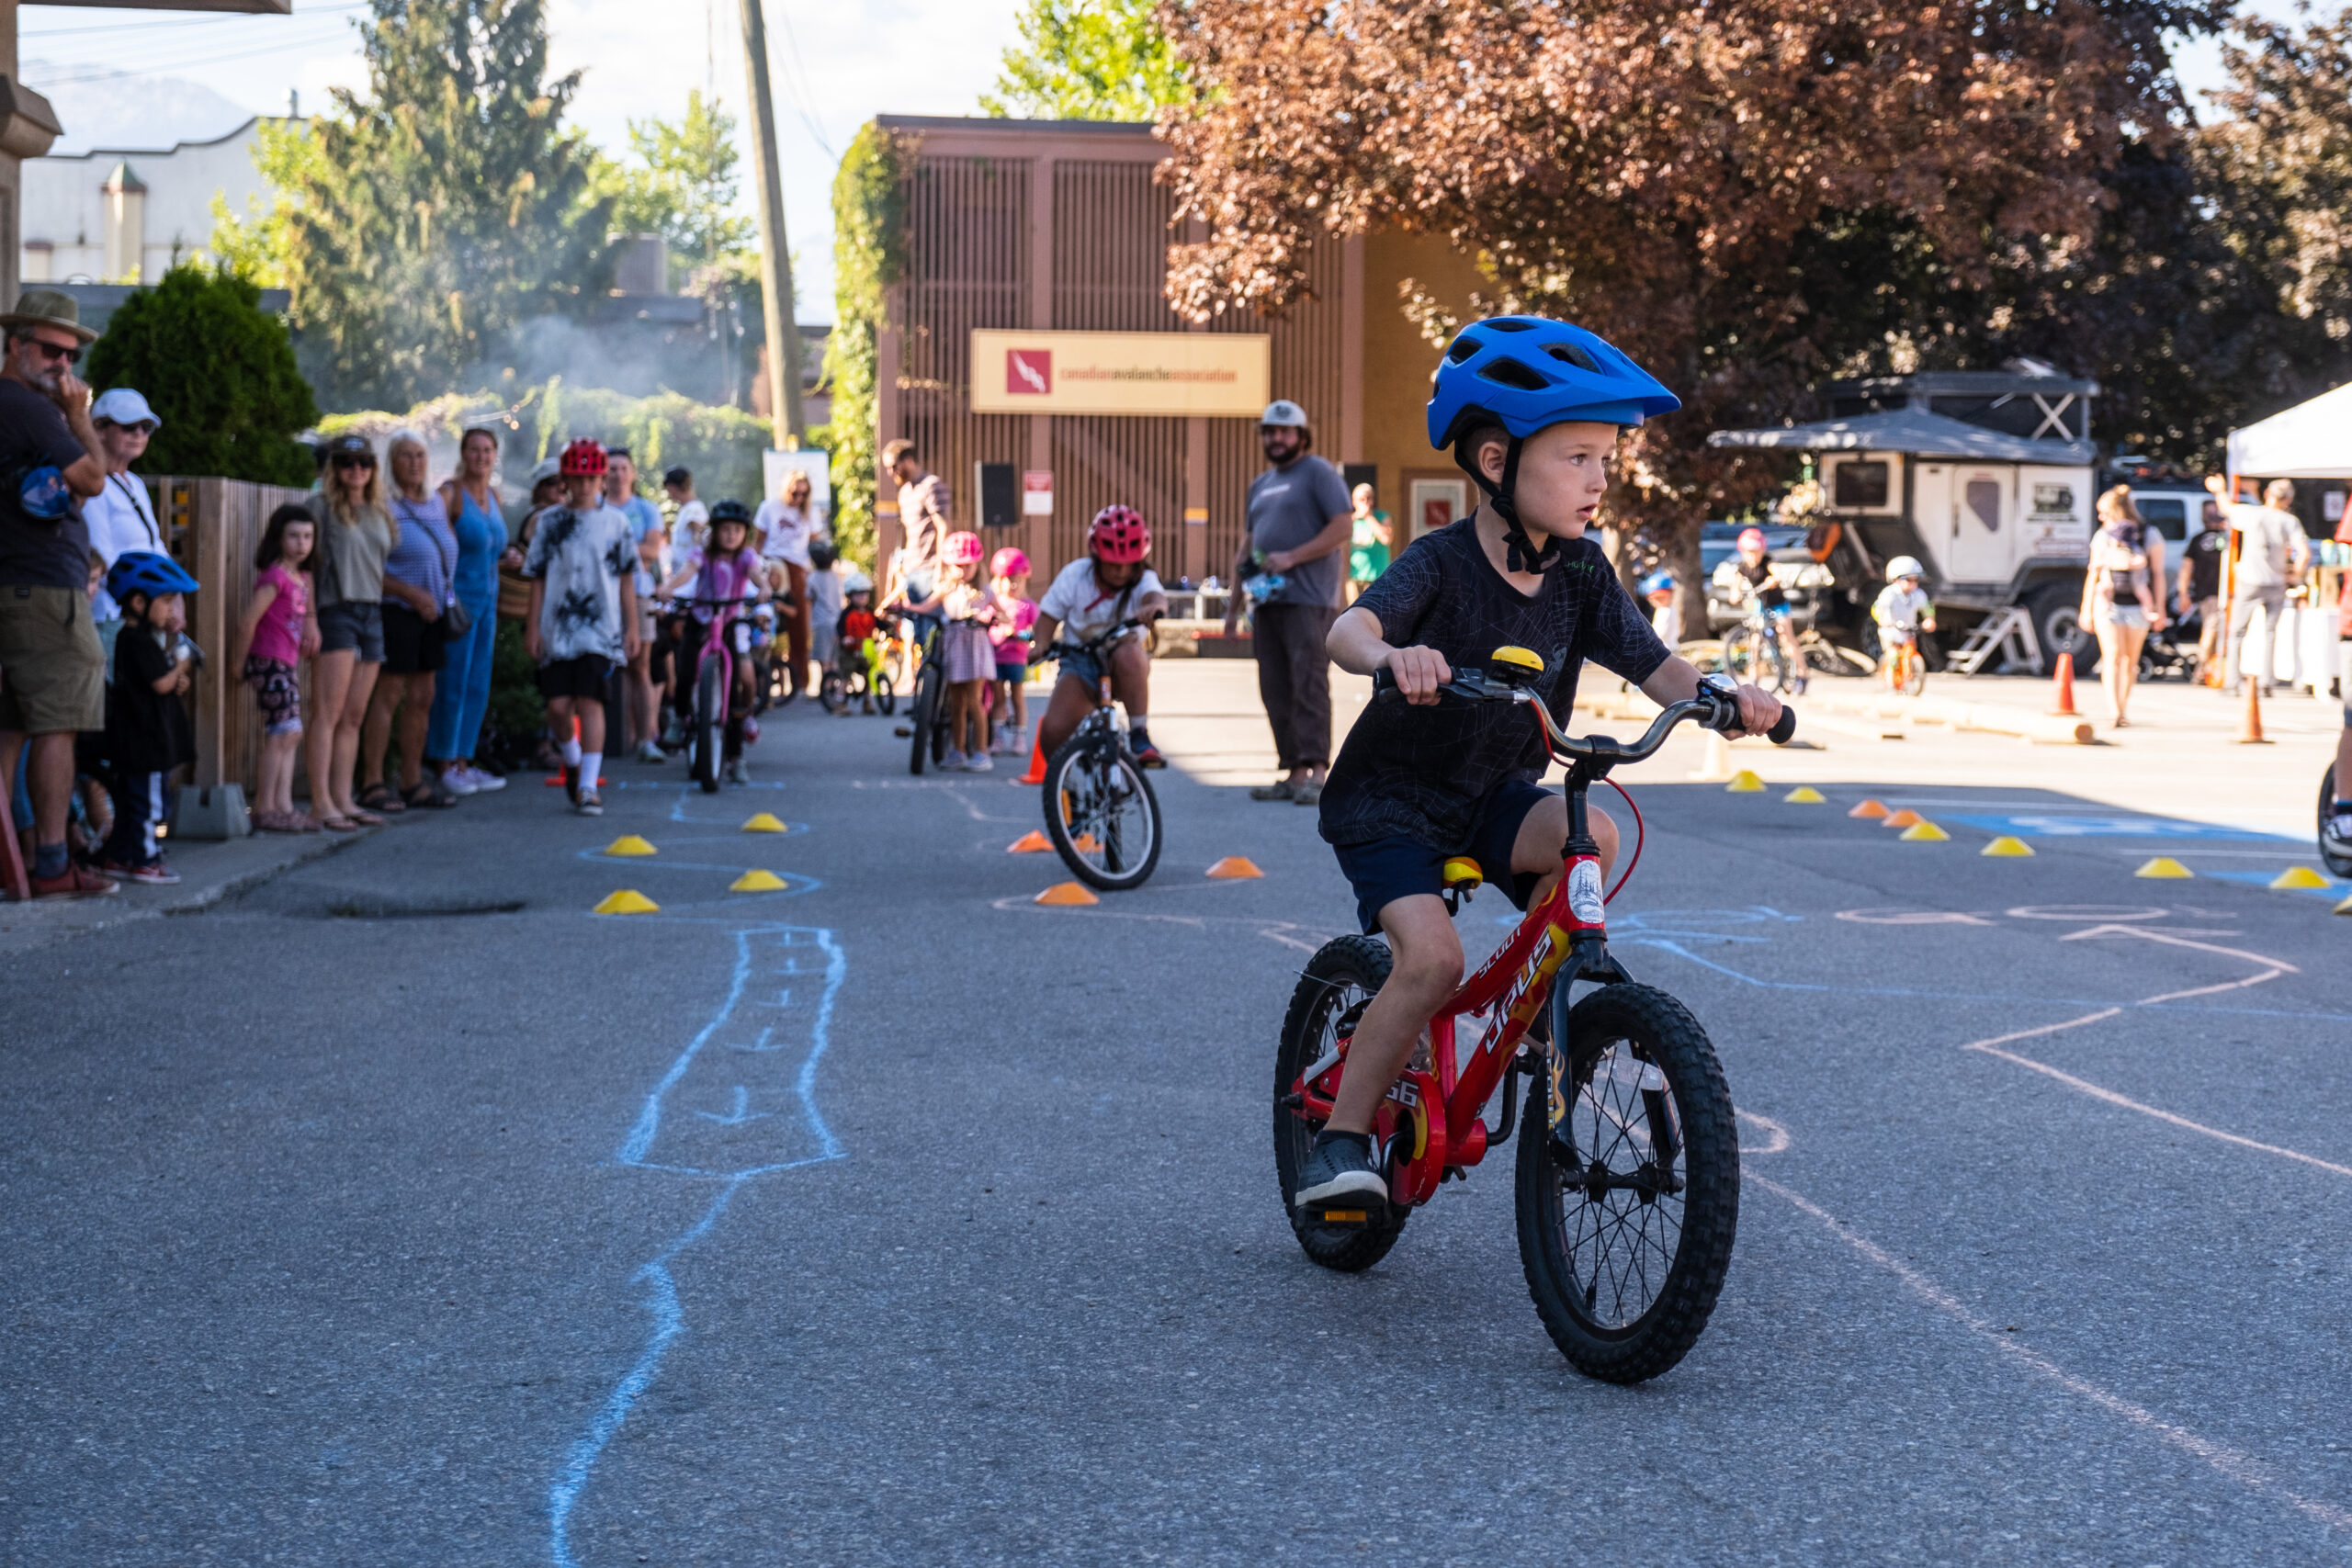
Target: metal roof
{"x":1910,"y":430}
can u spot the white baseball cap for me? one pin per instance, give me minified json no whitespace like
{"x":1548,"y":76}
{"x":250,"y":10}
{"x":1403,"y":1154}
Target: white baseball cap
{"x":120,"y":405}
{"x":1281,"y":411}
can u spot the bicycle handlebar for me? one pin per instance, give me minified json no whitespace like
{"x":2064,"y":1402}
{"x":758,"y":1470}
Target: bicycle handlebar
{"x":1039,"y":655}
{"x":1714,"y":707}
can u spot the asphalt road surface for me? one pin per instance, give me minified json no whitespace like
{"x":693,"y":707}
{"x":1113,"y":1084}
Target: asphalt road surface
{"x":403,"y":1211}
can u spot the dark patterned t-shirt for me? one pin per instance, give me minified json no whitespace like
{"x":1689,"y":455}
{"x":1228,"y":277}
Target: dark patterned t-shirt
{"x":584,"y":558}
{"x":1422,"y":772}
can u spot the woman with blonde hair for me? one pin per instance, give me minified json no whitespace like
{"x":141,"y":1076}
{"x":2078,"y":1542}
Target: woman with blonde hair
{"x":2121,"y":604}
{"x":418,"y":590}
{"x":355,"y":533}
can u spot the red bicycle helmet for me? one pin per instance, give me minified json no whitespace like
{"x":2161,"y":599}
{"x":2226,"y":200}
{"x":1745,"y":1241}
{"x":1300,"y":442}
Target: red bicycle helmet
{"x":584,"y":456}
{"x":961,"y":549}
{"x":1750,"y":537}
{"x":1118,"y":534}
{"x":1009,"y":562}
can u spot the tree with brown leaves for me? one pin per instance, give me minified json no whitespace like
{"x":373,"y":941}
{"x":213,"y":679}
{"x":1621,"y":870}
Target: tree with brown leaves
{"x":1720,"y":187}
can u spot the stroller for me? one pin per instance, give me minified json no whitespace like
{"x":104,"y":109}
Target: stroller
{"x":2170,"y":653}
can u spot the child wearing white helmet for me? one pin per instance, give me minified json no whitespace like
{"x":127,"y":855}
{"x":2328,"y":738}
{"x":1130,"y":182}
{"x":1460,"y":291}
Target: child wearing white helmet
{"x":1903,"y":609}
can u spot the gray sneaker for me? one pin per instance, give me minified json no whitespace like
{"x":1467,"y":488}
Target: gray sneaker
{"x":1279,"y":790}
{"x":1339,"y":1173}
{"x":590,"y":803}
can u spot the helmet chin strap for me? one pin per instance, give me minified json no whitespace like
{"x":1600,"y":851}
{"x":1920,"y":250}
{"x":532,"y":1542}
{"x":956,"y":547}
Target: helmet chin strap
{"x":1519,"y":553}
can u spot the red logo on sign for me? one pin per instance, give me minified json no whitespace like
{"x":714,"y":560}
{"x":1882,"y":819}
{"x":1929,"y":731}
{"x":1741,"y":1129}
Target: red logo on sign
{"x":1029,"y":370}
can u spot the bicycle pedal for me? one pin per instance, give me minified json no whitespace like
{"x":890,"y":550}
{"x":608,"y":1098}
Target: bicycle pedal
{"x":1348,"y":1217}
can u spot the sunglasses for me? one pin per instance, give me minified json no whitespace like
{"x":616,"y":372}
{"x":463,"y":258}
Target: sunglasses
{"x":66,"y":355}
{"x":354,"y":460}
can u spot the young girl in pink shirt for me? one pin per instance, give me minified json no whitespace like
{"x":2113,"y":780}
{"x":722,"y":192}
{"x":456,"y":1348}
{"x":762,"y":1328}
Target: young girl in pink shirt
{"x":280,"y":630}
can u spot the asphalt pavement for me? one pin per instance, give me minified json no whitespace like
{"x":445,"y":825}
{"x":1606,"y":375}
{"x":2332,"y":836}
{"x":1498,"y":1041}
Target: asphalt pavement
{"x":403,"y":1210}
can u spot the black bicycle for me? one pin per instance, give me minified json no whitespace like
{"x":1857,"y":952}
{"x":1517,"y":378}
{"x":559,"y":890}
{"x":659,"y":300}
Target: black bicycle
{"x":2338,"y":862}
{"x":1628,"y":1162}
{"x":927,"y":702}
{"x":1100,"y":812}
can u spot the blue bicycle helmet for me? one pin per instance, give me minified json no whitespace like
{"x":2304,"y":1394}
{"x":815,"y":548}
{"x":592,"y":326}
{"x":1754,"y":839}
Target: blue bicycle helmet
{"x":1656,"y":581}
{"x":1526,"y":374}
{"x":145,"y":572}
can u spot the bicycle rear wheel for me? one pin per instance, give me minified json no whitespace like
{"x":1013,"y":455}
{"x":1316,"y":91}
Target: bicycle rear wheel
{"x":1628,"y":1192}
{"x":2337,"y":865}
{"x":1100,"y":813}
{"x":1914,"y":672}
{"x":710,"y":724}
{"x":833,"y":692}
{"x":1331,"y":996}
{"x":924,"y":710}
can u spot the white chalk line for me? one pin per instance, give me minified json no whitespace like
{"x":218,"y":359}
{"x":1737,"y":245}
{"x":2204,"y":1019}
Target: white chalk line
{"x":2241,"y":1468}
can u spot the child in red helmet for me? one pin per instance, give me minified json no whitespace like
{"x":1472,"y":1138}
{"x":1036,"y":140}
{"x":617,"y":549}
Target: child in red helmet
{"x":1109,"y":584}
{"x":583,"y":621}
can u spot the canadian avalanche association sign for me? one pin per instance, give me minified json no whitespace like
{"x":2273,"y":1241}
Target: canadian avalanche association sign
{"x":1029,"y":371}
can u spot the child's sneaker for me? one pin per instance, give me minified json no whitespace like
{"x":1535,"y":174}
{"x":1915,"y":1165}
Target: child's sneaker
{"x":977,"y":763}
{"x":733,"y":771}
{"x":589,"y":803}
{"x":1338,"y":1171}
{"x":954,"y":762}
{"x":1001,"y":739}
{"x":572,"y":782}
{"x":154,"y":873}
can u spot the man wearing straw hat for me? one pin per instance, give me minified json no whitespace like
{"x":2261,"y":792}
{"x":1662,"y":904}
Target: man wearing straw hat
{"x":53,"y":672}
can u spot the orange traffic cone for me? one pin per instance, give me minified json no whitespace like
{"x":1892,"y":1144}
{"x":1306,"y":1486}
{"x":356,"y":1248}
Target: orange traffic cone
{"x":1036,"y":774}
{"x":2065,"y":706}
{"x":2251,"y":735}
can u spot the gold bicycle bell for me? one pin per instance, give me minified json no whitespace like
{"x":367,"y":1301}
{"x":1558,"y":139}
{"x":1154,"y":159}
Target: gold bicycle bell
{"x":1514,"y":666}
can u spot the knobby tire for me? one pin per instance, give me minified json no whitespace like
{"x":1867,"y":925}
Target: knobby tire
{"x":1344,"y":974}
{"x":710,"y":724}
{"x":1081,"y":761}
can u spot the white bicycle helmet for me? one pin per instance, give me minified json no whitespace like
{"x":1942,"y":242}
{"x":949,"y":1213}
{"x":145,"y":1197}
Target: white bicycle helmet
{"x":1902,"y":567}
{"x":857,"y":583}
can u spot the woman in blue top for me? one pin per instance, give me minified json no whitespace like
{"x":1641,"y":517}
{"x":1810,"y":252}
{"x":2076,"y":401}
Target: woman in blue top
{"x":471,"y":502}
{"x":416,"y":596}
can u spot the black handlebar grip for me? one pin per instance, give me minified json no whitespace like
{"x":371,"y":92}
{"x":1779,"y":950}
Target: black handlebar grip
{"x":1782,"y":733}
{"x":1383,"y":682}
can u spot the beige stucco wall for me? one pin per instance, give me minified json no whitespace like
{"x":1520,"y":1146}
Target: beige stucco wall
{"x":1398,"y":361}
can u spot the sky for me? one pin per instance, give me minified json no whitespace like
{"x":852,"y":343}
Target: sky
{"x":146,"y":79}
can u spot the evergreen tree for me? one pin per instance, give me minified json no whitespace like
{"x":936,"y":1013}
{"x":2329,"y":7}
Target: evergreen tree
{"x":219,"y":371}
{"x":1089,"y":60}
{"x":443,"y":210}
{"x":684,"y":185}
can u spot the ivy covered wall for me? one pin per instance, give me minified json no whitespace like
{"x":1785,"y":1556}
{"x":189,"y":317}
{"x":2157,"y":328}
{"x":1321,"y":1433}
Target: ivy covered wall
{"x":869,"y":256}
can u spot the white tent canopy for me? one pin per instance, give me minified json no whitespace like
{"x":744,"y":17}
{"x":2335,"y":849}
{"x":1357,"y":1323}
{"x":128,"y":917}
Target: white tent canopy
{"x":2310,"y":440}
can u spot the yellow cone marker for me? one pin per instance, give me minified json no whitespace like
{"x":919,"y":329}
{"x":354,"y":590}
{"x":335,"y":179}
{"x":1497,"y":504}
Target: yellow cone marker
{"x":1805,"y":794}
{"x":1067,"y":893}
{"x":628,"y":844}
{"x":1923,"y":833}
{"x":758,"y":882}
{"x":764,"y":823}
{"x":1906,"y":817}
{"x":2165,"y":868}
{"x":627,"y":901}
{"x":2296,"y":877}
{"x":1235,"y":865}
{"x":1744,"y":781}
{"x":1031,"y":843}
{"x":2008,"y":848}
{"x":1871,"y":810}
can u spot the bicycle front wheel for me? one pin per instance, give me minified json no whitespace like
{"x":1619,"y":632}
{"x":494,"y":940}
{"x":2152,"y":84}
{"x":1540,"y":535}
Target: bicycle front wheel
{"x":710,"y":724}
{"x":1102,"y":814}
{"x":833,"y":692}
{"x":2337,"y":864}
{"x":923,"y":708}
{"x":1628,"y":1191}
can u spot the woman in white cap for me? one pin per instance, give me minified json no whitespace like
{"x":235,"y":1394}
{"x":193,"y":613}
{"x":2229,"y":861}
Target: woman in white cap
{"x":121,"y":517}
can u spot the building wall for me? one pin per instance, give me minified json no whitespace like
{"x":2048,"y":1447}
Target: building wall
{"x":1398,"y":361}
{"x":63,"y":220}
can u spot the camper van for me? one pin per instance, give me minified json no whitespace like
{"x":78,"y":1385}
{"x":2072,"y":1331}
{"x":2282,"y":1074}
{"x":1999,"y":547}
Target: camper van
{"x":1988,"y":477}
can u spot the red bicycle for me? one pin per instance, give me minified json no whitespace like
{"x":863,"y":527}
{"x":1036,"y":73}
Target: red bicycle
{"x":1628,"y":1183}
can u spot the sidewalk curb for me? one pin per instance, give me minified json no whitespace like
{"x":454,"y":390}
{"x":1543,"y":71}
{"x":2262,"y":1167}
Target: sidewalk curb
{"x":24,"y":927}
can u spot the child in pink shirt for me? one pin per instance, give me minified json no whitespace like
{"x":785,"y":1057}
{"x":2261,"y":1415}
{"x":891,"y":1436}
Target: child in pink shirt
{"x":280,"y":630}
{"x":1016,"y":613}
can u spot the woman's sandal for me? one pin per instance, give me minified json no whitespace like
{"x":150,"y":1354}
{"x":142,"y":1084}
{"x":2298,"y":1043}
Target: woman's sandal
{"x":429,"y":797}
{"x":367,"y":818}
{"x":336,"y":822}
{"x":379,"y":797}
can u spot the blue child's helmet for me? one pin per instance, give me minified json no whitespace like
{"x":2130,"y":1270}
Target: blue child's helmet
{"x":145,"y":571}
{"x":1655,"y":581}
{"x":1526,"y":374}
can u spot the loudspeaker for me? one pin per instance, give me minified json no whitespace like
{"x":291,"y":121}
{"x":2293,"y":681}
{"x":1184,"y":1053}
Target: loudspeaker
{"x":998,"y":486}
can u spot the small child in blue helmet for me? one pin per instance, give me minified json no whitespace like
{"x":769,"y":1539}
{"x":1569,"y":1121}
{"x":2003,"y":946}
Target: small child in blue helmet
{"x":1531,"y":410}
{"x":148,"y":732}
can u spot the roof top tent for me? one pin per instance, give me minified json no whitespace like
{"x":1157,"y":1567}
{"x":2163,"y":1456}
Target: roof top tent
{"x":1988,"y":477}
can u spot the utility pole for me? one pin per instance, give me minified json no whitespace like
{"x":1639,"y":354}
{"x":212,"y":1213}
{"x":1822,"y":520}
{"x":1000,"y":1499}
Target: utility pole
{"x":776,"y":271}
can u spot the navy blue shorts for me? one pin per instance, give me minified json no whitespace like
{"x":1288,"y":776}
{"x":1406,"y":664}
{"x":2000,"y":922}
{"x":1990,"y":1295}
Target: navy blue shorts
{"x":1384,"y":870}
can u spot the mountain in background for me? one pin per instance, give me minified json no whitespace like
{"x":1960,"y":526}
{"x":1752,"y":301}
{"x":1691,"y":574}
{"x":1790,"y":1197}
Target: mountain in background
{"x":99,"y":107}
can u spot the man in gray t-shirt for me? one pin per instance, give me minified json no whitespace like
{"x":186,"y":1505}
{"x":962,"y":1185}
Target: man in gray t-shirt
{"x":1300,"y":524}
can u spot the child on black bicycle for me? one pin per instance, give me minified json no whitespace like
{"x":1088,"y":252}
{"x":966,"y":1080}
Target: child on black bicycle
{"x":728,"y":568}
{"x":1088,"y":597}
{"x":1532,"y":409}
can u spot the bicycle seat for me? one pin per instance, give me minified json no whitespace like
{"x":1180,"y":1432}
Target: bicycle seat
{"x":1464,"y":875}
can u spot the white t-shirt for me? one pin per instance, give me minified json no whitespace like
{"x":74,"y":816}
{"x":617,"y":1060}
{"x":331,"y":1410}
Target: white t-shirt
{"x":1084,"y":610}
{"x":119,"y":518}
{"x":825,"y":601}
{"x":787,"y":532}
{"x":689,"y":533}
{"x":2264,"y":558}
{"x":1667,"y":621}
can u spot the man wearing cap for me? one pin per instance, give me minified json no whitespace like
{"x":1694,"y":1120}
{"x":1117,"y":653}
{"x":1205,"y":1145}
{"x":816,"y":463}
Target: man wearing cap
{"x":53,"y":672}
{"x":1300,"y":523}
{"x":121,"y":517}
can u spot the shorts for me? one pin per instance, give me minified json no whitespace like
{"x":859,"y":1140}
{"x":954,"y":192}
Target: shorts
{"x":1015,"y":672}
{"x":277,"y":692}
{"x":412,"y":645}
{"x":1386,"y":869}
{"x":1898,"y":637}
{"x":582,"y":677}
{"x":52,"y":671}
{"x":2127,"y":616}
{"x":347,"y":626}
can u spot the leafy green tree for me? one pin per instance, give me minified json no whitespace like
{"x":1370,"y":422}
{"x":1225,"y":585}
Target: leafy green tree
{"x":219,"y":371}
{"x":445,"y":209}
{"x":684,"y":185}
{"x":1089,"y":60}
